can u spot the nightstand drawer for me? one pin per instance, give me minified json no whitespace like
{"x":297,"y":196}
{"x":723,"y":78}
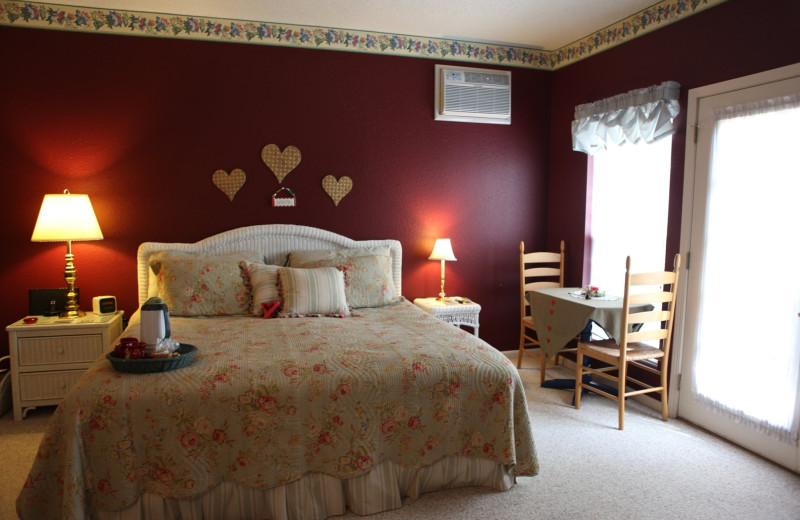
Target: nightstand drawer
{"x":51,"y":350}
{"x":47,"y":385}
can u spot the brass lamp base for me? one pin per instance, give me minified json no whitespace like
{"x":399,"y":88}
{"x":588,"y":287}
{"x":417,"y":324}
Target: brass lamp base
{"x":71,"y":309}
{"x":441,"y":288}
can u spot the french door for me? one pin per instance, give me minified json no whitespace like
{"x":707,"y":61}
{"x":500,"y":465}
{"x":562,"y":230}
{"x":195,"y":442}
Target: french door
{"x":739,"y":331}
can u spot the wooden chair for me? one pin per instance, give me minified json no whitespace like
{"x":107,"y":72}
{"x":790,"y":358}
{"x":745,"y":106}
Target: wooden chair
{"x":540,"y":270}
{"x":632,"y":349}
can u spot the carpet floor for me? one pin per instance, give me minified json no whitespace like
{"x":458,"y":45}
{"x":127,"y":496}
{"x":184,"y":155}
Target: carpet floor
{"x":589,"y":469}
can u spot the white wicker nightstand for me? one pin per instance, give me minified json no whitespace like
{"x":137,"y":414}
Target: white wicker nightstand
{"x":451,"y":311}
{"x":48,"y":356}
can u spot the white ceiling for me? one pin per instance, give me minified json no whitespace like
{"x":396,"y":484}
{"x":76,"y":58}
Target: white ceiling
{"x":538,"y":24}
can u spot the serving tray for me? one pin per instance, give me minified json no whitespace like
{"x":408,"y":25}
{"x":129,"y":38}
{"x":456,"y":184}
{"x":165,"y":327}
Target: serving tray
{"x":150,"y":365}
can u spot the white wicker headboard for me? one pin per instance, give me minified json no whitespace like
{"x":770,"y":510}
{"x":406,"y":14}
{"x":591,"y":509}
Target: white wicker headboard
{"x":275,"y":241}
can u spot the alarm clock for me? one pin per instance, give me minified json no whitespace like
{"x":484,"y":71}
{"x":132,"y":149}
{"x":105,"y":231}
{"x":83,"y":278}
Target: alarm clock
{"x":104,"y":304}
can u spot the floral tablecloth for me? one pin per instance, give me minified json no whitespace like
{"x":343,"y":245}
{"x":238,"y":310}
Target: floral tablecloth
{"x":266,"y":401}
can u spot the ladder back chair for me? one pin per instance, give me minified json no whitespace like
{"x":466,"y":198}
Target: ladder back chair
{"x":636,"y":330}
{"x":537,"y":270}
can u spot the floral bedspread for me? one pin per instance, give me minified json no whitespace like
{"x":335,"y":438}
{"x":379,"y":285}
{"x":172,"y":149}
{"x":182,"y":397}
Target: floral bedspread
{"x":266,"y":401}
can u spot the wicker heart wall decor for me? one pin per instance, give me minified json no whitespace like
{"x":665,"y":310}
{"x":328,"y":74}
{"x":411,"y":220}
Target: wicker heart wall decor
{"x":281,"y":163}
{"x":229,"y":183}
{"x":337,"y":189}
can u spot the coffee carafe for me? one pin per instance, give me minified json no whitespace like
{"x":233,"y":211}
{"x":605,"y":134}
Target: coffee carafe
{"x":155,"y":321}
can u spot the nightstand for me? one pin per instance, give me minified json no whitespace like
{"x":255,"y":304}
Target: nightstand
{"x":452,"y":311}
{"x":48,"y":357}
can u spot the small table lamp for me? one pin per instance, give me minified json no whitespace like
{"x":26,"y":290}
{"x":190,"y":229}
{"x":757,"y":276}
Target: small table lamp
{"x":442,"y":250}
{"x":64,"y":218}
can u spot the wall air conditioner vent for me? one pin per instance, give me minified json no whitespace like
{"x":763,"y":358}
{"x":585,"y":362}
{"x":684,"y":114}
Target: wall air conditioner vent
{"x":472,"y":95}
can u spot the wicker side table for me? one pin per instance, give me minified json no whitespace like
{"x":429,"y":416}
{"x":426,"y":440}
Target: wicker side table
{"x":451,"y":310}
{"x":49,"y":356}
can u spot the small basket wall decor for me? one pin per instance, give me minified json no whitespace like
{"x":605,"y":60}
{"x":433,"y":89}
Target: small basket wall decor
{"x":185,"y":355}
{"x":284,"y":198}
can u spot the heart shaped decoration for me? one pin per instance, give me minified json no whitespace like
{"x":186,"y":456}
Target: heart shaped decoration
{"x":229,"y":183}
{"x":281,"y":163}
{"x":337,"y":189}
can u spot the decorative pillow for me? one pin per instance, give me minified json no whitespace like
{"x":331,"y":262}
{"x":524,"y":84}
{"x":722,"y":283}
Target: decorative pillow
{"x":201,"y":285}
{"x":154,"y":261}
{"x":367,"y":273}
{"x":263,"y":283}
{"x":323,"y":254}
{"x":312,"y":292}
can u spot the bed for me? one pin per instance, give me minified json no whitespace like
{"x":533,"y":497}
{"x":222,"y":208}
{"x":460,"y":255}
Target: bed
{"x":304,"y":411}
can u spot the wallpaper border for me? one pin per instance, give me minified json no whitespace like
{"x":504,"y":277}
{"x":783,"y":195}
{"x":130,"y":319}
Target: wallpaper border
{"x":122,"y":22}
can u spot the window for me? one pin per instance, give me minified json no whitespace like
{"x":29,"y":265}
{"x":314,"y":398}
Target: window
{"x":629,"y":194}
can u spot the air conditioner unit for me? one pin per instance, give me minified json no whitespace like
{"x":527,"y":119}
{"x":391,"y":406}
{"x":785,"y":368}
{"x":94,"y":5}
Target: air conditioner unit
{"x":472,"y":95}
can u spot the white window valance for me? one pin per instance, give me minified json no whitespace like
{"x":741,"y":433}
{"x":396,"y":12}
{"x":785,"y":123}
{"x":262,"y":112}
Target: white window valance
{"x":644,"y":114}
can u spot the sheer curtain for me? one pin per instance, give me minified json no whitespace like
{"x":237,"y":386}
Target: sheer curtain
{"x":644,"y":114}
{"x":753,"y":196}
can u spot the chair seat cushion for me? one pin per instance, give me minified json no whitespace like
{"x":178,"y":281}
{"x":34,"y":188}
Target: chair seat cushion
{"x":608,"y":350}
{"x":528,"y":322}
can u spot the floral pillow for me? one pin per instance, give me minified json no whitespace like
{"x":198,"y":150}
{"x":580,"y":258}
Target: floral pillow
{"x":312,"y":292}
{"x":201,"y":285}
{"x":367,"y":273}
{"x":262,"y":281}
{"x":155,"y":260}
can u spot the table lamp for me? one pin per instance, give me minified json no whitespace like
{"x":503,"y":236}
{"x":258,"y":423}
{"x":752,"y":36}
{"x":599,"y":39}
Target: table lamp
{"x":442,"y":250}
{"x":64,"y":218}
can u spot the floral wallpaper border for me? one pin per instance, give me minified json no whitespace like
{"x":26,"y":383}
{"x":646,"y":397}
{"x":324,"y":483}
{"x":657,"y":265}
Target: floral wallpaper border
{"x":100,"y":20}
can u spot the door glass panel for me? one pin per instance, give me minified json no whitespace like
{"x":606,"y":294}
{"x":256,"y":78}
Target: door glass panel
{"x":748,"y":344}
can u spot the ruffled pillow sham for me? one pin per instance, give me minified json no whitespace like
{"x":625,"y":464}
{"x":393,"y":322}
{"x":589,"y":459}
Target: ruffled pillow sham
{"x":368,"y":273}
{"x":202,"y":285}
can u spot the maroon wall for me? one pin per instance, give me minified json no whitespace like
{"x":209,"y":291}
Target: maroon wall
{"x":733,"y":39}
{"x":141,"y":124}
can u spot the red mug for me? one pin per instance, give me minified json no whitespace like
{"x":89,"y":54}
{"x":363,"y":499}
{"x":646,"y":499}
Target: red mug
{"x":134,"y":353}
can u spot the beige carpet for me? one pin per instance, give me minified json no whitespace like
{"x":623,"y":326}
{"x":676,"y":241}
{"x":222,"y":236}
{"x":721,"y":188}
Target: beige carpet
{"x":589,"y":469}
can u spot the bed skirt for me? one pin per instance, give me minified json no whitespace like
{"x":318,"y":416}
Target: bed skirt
{"x":317,"y":496}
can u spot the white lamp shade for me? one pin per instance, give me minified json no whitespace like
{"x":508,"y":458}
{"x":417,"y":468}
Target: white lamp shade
{"x":442,"y":250}
{"x":66,"y":217}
